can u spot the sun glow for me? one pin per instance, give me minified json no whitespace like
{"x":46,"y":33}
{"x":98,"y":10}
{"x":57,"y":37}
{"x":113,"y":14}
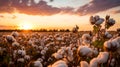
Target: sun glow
{"x":25,"y":26}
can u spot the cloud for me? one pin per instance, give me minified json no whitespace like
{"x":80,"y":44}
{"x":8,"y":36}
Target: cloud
{"x":95,"y":6}
{"x":1,"y":16}
{"x":28,"y":7}
{"x":115,"y":12}
{"x":42,"y":8}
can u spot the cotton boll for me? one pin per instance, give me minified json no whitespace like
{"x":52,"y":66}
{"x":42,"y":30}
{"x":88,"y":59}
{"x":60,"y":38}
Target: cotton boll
{"x":22,"y":52}
{"x":57,"y":55}
{"x":59,"y":38}
{"x":38,"y":64}
{"x":40,"y":47}
{"x":14,"y":53}
{"x":97,"y":17}
{"x":15,"y":34}
{"x":20,"y":60}
{"x":103,"y":57}
{"x":111,"y":21}
{"x":10,"y":38}
{"x":43,"y":52}
{"x":60,"y":63}
{"x":40,"y":59}
{"x":86,"y":39}
{"x":95,"y":52}
{"x":109,"y":36}
{"x":94,"y":39}
{"x":30,"y":42}
{"x":46,"y":48}
{"x":118,"y":40}
{"x":86,"y":42}
{"x":85,"y":36}
{"x":100,"y":21}
{"x":84,"y":64}
{"x":112,"y":62}
{"x":74,"y":48}
{"x":61,"y":51}
{"x":115,"y":43}
{"x":84,"y":50}
{"x":94,"y":62}
{"x":106,"y":33}
{"x":92,"y":20}
{"x":27,"y":57}
{"x":107,"y":44}
{"x":15,"y":44}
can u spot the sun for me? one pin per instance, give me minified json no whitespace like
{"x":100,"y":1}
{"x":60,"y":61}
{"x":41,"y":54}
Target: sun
{"x":26,"y":26}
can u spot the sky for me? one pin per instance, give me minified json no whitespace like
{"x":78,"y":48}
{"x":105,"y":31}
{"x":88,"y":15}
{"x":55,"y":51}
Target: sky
{"x":58,"y":14}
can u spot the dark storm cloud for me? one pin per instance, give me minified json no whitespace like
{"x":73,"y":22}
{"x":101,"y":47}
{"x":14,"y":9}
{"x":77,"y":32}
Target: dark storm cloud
{"x":96,"y":6}
{"x":42,"y":8}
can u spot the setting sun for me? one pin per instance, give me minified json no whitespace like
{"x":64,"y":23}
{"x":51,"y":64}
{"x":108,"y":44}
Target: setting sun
{"x":26,"y":26}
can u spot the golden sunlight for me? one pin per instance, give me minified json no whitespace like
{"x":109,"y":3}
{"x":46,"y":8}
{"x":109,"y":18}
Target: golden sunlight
{"x":25,"y":26}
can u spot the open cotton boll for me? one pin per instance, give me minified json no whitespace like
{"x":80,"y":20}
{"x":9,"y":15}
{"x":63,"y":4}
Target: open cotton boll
{"x":109,"y":36}
{"x":115,"y":43}
{"x":15,"y":34}
{"x":40,"y":47}
{"x":57,"y":55}
{"x":60,"y":63}
{"x":84,"y":50}
{"x":103,"y":57}
{"x":92,"y":20}
{"x":27,"y":57}
{"x":20,"y":60}
{"x":94,"y":39}
{"x":46,"y":48}
{"x":85,"y":36}
{"x":40,"y":59}
{"x":59,"y":38}
{"x":112,"y":62}
{"x":15,"y":44}
{"x":97,"y":17}
{"x":118,"y":40}
{"x":10,"y":38}
{"x":95,"y":52}
{"x":86,"y":42}
{"x":37,"y":64}
{"x":107,"y":44}
{"x":100,"y":21}
{"x":84,"y":64}
{"x":30,"y":42}
{"x":111,"y":21}
{"x":22,"y":52}
{"x":61,"y":51}
{"x":94,"y":62}
{"x":43,"y":52}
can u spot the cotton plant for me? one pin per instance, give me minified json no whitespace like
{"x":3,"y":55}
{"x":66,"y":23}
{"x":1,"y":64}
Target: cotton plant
{"x":96,"y":21}
{"x":109,"y":22}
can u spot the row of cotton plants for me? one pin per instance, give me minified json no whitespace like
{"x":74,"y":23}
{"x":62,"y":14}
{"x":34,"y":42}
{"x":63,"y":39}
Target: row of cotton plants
{"x":99,"y":48}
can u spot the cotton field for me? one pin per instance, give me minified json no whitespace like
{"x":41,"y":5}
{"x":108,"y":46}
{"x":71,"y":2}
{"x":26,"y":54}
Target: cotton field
{"x":97,"y":48}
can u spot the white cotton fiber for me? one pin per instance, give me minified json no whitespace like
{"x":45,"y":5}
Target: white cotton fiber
{"x":84,"y":64}
{"x":60,"y":63}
